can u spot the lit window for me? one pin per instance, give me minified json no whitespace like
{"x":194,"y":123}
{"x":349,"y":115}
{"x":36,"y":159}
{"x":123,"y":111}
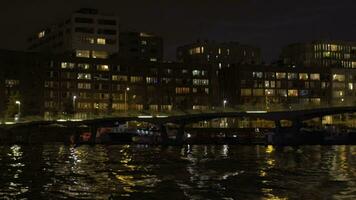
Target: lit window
{"x":333,"y":47}
{"x":144,"y":42}
{"x":303,"y":76}
{"x":84,"y":76}
{"x":101,"y":41}
{"x":196,"y":72}
{"x":196,"y":50}
{"x":219,"y":51}
{"x":11,"y":83}
{"x":292,"y":76}
{"x":266,"y":83}
{"x":153,"y":59}
{"x":151,"y":80}
{"x":41,"y":34}
{"x":100,"y":54}
{"x":293,"y":93}
{"x":86,"y":86}
{"x":119,"y":78}
{"x":257,"y":74}
{"x":82,"y":53}
{"x":351,"y":86}
{"x":228,"y":51}
{"x":280,"y":75}
{"x":200,"y":82}
{"x":326,"y":54}
{"x":182,"y":90}
{"x":315,"y":77}
{"x":338,"y":77}
{"x":66,"y":65}
{"x":315,"y":101}
{"x":83,"y":66}
{"x":102,"y":67}
{"x":246,"y":92}
{"x":136,"y":79}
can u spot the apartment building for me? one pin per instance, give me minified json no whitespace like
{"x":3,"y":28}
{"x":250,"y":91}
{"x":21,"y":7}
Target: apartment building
{"x":85,"y":33}
{"x":267,"y":86}
{"x":320,"y":54}
{"x":219,"y":54}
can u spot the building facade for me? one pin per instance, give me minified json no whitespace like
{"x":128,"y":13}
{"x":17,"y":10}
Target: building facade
{"x":271,"y":87}
{"x":91,"y":87}
{"x":320,"y":54}
{"x":56,"y":85}
{"x":218,"y":54}
{"x":86,"y":33}
{"x":21,"y":81}
{"x":141,"y":46}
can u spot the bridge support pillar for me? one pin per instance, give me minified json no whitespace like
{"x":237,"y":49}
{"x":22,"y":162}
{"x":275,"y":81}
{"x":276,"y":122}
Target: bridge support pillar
{"x":93,"y":130}
{"x":278,"y":136}
{"x":180,"y":134}
{"x":164,"y":135}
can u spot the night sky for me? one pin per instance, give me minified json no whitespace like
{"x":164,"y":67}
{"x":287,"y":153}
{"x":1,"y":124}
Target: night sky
{"x":269,"y":24}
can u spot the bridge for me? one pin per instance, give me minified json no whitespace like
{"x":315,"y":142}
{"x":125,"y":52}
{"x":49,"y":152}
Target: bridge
{"x":296,"y":116}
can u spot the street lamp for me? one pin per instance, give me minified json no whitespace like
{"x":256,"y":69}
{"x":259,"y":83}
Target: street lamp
{"x":74,"y":98}
{"x":126,"y":106}
{"x":267,"y":100}
{"x":18,"y":108}
{"x":224,"y":103}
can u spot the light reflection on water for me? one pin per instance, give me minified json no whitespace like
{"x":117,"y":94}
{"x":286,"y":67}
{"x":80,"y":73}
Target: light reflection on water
{"x":189,"y":172}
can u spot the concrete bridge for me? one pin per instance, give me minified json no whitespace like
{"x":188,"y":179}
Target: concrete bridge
{"x":297,"y":117}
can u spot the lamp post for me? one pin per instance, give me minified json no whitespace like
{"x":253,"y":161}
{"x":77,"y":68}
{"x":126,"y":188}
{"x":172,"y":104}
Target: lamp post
{"x":18,"y":108}
{"x":267,"y":100}
{"x":74,"y":99}
{"x":126,"y":106}
{"x":224,"y":103}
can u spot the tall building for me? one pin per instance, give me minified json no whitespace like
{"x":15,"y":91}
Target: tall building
{"x":320,"y":54}
{"x":218,"y":54}
{"x":140,"y":46}
{"x":86,"y":33}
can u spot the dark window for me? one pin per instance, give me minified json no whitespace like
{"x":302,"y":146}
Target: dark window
{"x":106,"y":22}
{"x":84,"y":30}
{"x":107,"y":31}
{"x":84,"y":20}
{"x":110,"y":41}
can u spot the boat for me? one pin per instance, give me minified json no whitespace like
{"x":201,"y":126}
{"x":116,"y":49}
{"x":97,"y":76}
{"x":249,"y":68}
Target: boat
{"x":120,"y":134}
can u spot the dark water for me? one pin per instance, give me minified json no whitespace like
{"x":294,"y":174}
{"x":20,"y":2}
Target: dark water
{"x":191,"y":172}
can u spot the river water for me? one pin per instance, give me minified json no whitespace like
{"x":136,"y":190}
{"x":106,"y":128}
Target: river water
{"x":188,"y":172}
